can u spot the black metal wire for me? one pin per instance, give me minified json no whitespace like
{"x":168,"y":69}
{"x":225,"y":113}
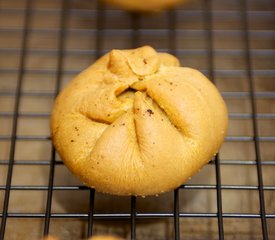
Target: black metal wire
{"x":250,"y":77}
{"x":60,"y":62}
{"x":176,"y":214}
{"x":92,"y":12}
{"x":133,"y":217}
{"x":187,"y":186}
{"x":149,"y":32}
{"x":210,"y":59}
{"x":100,"y":25}
{"x":135,"y":41}
{"x":135,"y":33}
{"x":172,"y":37}
{"x":21,"y":72}
{"x":172,"y":45}
{"x":91,"y":212}
{"x":100,"y":29}
{"x":227,"y":95}
{"x":190,"y":51}
{"x":47,"y":162}
{"x":127,"y":216}
{"x":227,"y":139}
{"x":218,"y":72}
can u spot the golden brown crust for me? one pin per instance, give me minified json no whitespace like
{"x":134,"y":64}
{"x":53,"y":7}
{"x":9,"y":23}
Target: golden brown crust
{"x":145,"y":6}
{"x":135,"y":123}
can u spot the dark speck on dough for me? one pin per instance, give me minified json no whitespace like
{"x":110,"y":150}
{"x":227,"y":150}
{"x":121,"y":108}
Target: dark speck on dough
{"x":162,"y":119}
{"x":145,"y":61}
{"x":123,"y":124}
{"x":72,"y":140}
{"x":97,"y":162}
{"x":108,"y":115}
{"x":171,"y":83}
{"x":150,"y":112}
{"x":76,"y":128}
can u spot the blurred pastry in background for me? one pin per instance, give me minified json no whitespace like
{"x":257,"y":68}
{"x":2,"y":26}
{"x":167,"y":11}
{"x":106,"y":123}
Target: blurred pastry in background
{"x":145,"y":6}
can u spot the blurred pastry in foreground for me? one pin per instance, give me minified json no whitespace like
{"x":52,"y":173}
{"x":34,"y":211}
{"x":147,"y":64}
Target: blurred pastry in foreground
{"x":105,"y":237}
{"x":136,"y":123}
{"x":50,"y":238}
{"x":145,"y":6}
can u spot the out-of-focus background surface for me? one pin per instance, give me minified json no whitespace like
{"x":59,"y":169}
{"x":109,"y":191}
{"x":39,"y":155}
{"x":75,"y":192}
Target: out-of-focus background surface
{"x":43,"y":42}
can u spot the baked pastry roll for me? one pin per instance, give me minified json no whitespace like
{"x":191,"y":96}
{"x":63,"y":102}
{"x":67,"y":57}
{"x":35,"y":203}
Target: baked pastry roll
{"x":136,"y":123}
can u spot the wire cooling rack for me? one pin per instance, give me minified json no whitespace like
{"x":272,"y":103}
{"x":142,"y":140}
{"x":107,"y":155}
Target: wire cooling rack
{"x":43,"y":44}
